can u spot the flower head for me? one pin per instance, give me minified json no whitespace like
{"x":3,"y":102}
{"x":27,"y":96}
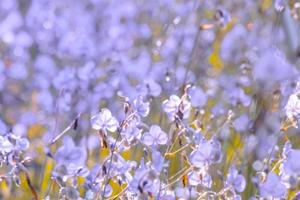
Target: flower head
{"x":198,"y":96}
{"x":292,"y":108}
{"x":272,"y":187}
{"x":235,"y":180}
{"x":155,"y":136}
{"x":69,"y":154}
{"x":141,"y":107}
{"x":104,"y":121}
{"x":291,"y":165}
{"x":177,"y":107}
{"x":208,"y":152}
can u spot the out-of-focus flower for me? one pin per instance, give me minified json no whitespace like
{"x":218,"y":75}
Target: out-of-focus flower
{"x":222,"y":16}
{"x":158,"y":161}
{"x":241,"y":123}
{"x":155,"y":136}
{"x":69,"y":154}
{"x":200,"y":177}
{"x":69,"y":193}
{"x":272,"y":67}
{"x":279,"y":5}
{"x":141,"y":107}
{"x":131,"y":131}
{"x":94,"y":178}
{"x":3,"y":127}
{"x":296,"y":196}
{"x":167,"y":195}
{"x":70,"y":161}
{"x":236,"y":35}
{"x":46,"y":65}
{"x":186,"y":193}
{"x":291,"y":165}
{"x":235,"y":180}
{"x":207,"y":152}
{"x":104,"y":121}
{"x":11,"y":142}
{"x":145,"y":181}
{"x":272,"y":187}
{"x":22,"y":144}
{"x":18,"y":71}
{"x":150,"y":87}
{"x":198,"y":97}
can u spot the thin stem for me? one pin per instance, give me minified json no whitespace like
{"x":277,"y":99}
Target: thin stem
{"x":178,"y":150}
{"x":119,"y":194}
{"x":28,"y":181}
{"x":66,"y":130}
{"x":177,"y":179}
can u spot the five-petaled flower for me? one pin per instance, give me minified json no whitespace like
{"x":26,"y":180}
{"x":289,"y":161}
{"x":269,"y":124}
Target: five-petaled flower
{"x":155,"y":136}
{"x":104,"y":121}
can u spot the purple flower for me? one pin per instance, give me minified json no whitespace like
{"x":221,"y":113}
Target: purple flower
{"x":236,"y":35}
{"x":11,"y":142}
{"x":145,"y":181}
{"x":69,"y":193}
{"x":207,"y":152}
{"x":68,"y":154}
{"x":200,"y":177}
{"x":22,"y":144}
{"x":198,"y":97}
{"x":104,"y":121}
{"x":186,"y":193}
{"x":272,"y":67}
{"x":93,"y":179}
{"x":141,"y":107}
{"x":176,"y":107}
{"x":241,"y":123}
{"x":155,"y":136}
{"x":235,"y":180}
{"x":167,"y":195}
{"x":46,"y":65}
{"x":291,"y":165}
{"x":149,"y":87}
{"x":272,"y":187}
{"x":158,"y":161}
{"x":3,"y":127}
{"x":131,"y":131}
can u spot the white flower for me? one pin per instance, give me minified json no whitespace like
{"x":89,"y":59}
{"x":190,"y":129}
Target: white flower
{"x":104,"y":121}
{"x":5,"y":145}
